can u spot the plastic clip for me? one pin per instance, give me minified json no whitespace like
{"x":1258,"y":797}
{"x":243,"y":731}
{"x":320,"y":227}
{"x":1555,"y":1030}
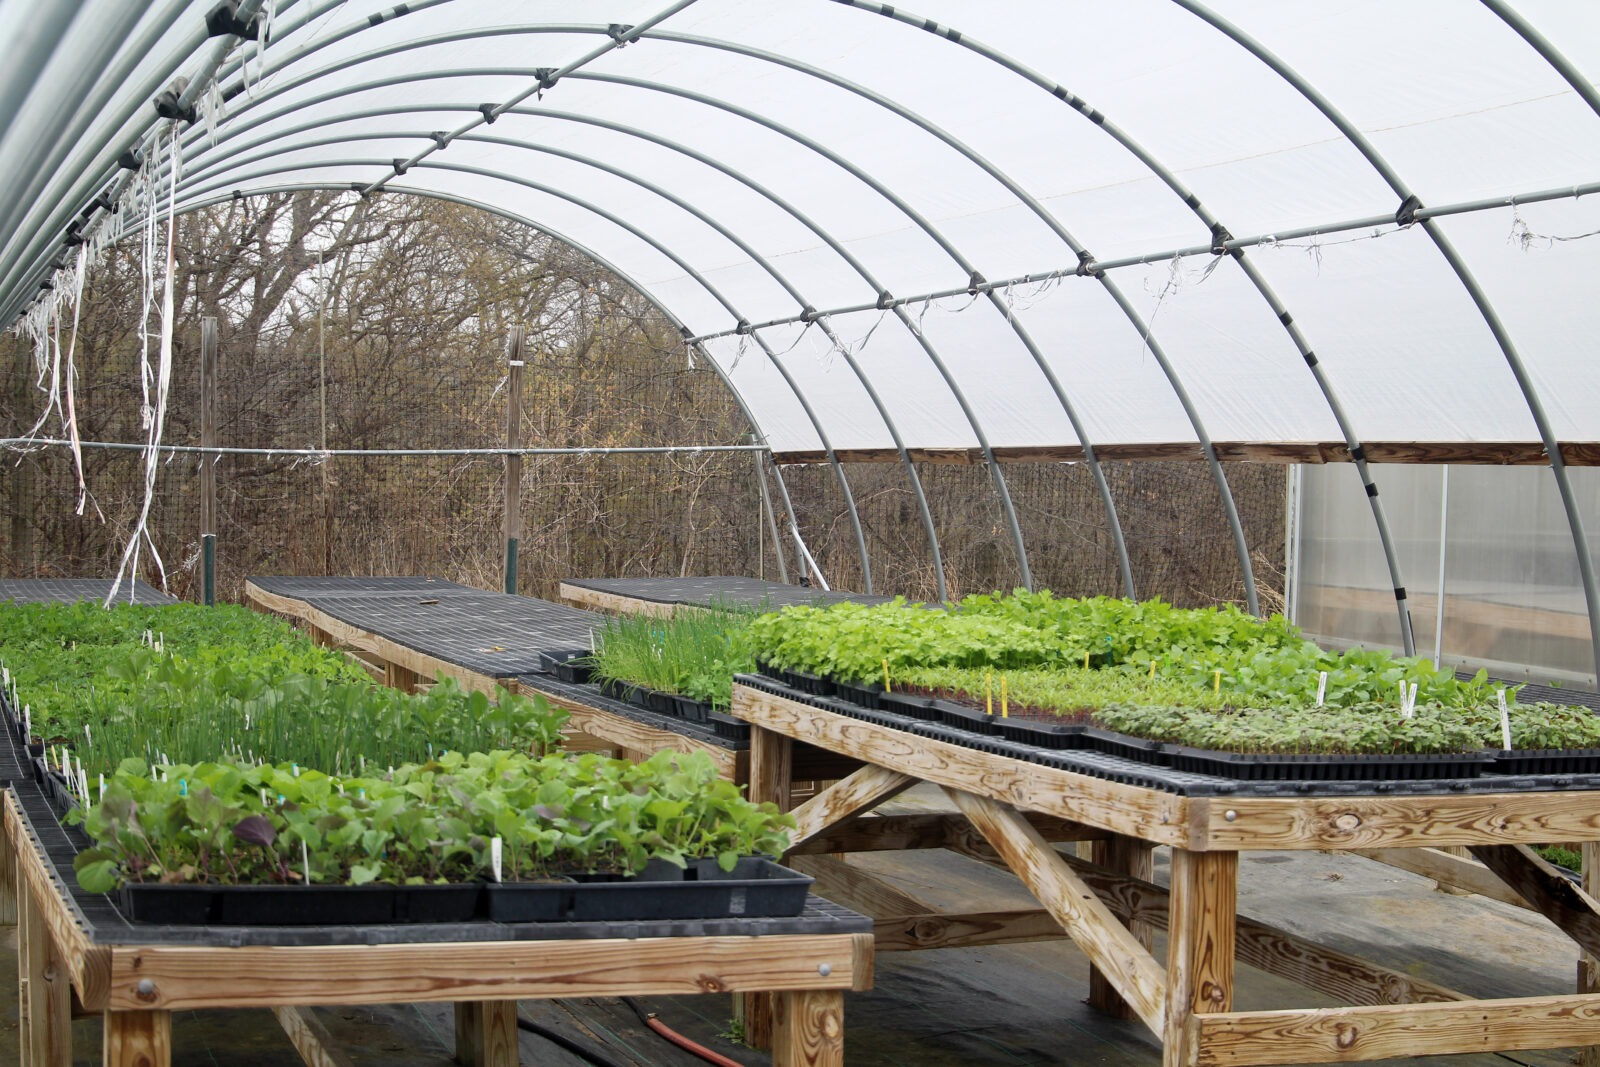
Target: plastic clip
{"x":1407,"y":214}
{"x":744,"y":329}
{"x":810,"y":315}
{"x":440,"y":138}
{"x":885,"y":300}
{"x":973,"y":282}
{"x":1086,"y":265}
{"x":489,"y":113}
{"x":400,"y":166}
{"x":616,"y":31}
{"x":546,"y":76}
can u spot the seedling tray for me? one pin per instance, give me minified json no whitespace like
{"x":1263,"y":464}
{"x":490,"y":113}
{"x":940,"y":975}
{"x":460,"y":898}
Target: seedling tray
{"x":289,"y":905}
{"x":1329,"y":768}
{"x":756,"y":887}
{"x":1547,"y":761}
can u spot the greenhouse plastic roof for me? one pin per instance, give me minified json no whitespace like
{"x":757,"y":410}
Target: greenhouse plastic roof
{"x":1018,"y":226}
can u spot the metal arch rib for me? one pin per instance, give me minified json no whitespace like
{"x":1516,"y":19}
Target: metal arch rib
{"x":827,"y":238}
{"x":1558,"y":465}
{"x":1190,"y":200}
{"x":607,"y":264}
{"x":1548,"y":51}
{"x":939,"y":365}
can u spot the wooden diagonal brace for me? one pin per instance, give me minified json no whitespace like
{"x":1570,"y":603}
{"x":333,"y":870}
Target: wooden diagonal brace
{"x":1547,"y":890}
{"x":846,"y":800}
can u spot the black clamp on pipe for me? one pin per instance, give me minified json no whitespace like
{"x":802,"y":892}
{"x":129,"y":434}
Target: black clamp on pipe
{"x":224,"y":21}
{"x":885,"y":300}
{"x":440,"y":138}
{"x":810,"y":315}
{"x":546,"y":76}
{"x":1086,"y":265}
{"x":132,"y":159}
{"x":1407,"y":215}
{"x":616,"y":31}
{"x":744,"y":329}
{"x":169,"y":105}
{"x":400,"y":166}
{"x":489,"y":112}
{"x":1219,"y":239}
{"x":974,"y":280}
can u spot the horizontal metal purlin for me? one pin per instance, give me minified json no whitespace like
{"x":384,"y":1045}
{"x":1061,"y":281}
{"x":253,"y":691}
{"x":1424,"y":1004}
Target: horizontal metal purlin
{"x":1385,"y":220}
{"x":32,"y":442}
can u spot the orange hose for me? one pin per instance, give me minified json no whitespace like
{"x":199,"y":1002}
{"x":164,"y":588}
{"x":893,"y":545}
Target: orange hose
{"x":684,"y":1043}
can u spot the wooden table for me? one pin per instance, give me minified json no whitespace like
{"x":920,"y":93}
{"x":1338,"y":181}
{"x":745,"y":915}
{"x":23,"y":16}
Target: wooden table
{"x":1110,"y":906}
{"x":63,"y":966}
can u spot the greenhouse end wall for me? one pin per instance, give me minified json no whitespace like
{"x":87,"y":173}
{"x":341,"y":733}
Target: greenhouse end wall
{"x":1513,"y":602}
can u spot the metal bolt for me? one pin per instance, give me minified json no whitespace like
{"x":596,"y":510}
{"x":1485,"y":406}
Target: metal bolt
{"x":1230,"y":815}
{"x":145,"y":990}
{"x":825,"y":969}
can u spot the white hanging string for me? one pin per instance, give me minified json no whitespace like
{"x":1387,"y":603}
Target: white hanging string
{"x":1528,"y":239}
{"x":71,"y":374}
{"x":163,"y":382}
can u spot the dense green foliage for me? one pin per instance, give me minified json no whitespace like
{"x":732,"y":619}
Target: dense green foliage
{"x":693,"y":653}
{"x":57,"y":652}
{"x":1261,"y":661}
{"x":250,"y":686}
{"x":233,"y":822}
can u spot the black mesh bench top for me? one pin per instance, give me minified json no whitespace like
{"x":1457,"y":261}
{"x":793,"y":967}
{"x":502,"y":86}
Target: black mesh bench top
{"x":73,"y":590}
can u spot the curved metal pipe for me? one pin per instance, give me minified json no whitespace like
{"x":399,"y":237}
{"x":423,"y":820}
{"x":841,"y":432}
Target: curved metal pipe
{"x":994,"y":468}
{"x":1530,"y":395}
{"x":1169,"y":178}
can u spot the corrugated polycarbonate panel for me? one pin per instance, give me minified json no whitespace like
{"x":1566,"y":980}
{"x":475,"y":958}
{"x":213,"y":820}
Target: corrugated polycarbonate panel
{"x":762,"y":161}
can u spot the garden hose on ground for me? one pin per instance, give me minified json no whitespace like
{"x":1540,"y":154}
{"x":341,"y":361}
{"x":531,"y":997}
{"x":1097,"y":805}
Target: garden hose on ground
{"x":649,"y":1019}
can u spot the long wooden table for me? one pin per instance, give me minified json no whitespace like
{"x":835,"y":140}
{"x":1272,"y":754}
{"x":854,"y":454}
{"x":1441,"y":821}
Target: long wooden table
{"x":66,"y":963}
{"x":1109,"y":905}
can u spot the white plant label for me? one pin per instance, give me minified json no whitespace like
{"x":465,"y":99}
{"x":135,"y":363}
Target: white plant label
{"x":1322,"y":688}
{"x":1505,"y":722}
{"x":494,"y":857}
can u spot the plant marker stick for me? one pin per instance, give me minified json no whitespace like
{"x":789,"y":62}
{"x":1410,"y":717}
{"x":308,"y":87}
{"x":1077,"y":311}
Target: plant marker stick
{"x":1152,"y":670}
{"x":1322,"y":688}
{"x":1505,"y":721}
{"x":102,"y":787}
{"x":1086,"y":660}
{"x":591,"y":640}
{"x":305,"y":860}
{"x":494,"y":857}
{"x":988,"y":685}
{"x":1005,"y":711}
{"x":1216,"y":681}
{"x":886,"y":686}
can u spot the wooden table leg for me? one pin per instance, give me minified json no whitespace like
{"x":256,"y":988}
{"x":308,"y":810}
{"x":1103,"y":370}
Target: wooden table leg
{"x":1588,"y":966}
{"x":137,"y":1039}
{"x":45,"y":992}
{"x":771,"y":768}
{"x":486,"y":1033}
{"x":808,"y":1028}
{"x":1200,"y":945}
{"x":402,"y":678}
{"x":1135,"y":859}
{"x":9,"y":881}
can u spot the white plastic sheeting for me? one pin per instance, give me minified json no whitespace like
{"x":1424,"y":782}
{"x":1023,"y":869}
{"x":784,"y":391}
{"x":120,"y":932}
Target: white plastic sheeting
{"x":1025,"y":225}
{"x":746,"y":161}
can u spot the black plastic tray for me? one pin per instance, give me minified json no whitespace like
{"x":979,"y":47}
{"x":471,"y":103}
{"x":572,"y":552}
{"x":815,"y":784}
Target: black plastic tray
{"x":756,"y":887}
{"x":1547,"y":761}
{"x":290,"y":905}
{"x":1329,"y":768}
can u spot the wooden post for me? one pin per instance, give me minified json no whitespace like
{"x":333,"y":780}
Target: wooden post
{"x":808,"y":1029}
{"x":486,"y":1033}
{"x":10,"y":883}
{"x":45,"y":996}
{"x":1588,"y":966}
{"x":398,"y":676}
{"x":208,"y":461}
{"x":1200,"y":946}
{"x":771,"y":760}
{"x":1132,"y":858}
{"x":137,"y":1039}
{"x":513,"y":488}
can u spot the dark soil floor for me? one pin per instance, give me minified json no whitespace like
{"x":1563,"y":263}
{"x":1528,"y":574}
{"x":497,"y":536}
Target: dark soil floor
{"x":1014,"y":1005}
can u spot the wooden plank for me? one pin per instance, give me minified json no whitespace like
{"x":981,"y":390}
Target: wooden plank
{"x":397,"y":676}
{"x":915,"y":932}
{"x":857,"y":889}
{"x":917,"y":830}
{"x":486,"y":1033}
{"x":1135,"y":859}
{"x":770,"y":768}
{"x":1588,"y":964}
{"x":310,"y":1038}
{"x":386,"y":650}
{"x":46,"y":993}
{"x":8,"y":881}
{"x":182,"y":977}
{"x":845,"y":800}
{"x":1200,"y":946}
{"x":1547,"y":890}
{"x":1448,"y":870}
{"x":87,"y":963}
{"x":1342,"y":1035}
{"x":1162,"y":818}
{"x":1095,"y":930}
{"x":1350,"y":978}
{"x":137,"y":1039}
{"x":1354,"y":823}
{"x":808,"y":1029}
{"x":613,"y":604}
